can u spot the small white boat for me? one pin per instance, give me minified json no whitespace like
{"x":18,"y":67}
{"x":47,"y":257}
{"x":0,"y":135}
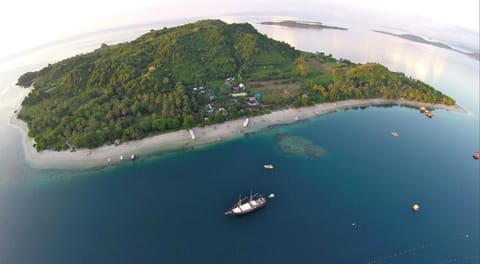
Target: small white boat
{"x":395,"y":134}
{"x":192,"y":134}
{"x":121,"y":157}
{"x":268,"y":166}
{"x":271,"y":195}
{"x":245,"y":123}
{"x":416,"y":208}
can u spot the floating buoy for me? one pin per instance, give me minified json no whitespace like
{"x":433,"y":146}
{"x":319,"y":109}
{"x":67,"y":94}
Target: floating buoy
{"x":354,"y":224}
{"x":416,"y":208}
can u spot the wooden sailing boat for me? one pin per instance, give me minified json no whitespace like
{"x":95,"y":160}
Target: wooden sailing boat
{"x":244,"y":208}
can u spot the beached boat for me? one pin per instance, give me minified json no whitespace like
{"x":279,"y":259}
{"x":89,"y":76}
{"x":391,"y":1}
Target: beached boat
{"x":245,"y":123}
{"x":268,"y":166}
{"x":192,"y":134}
{"x":423,"y":109}
{"x":251,"y":205}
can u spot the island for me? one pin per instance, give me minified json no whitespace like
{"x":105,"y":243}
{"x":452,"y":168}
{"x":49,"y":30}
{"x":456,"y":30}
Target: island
{"x":302,"y":24}
{"x":415,"y":38}
{"x":196,"y":76}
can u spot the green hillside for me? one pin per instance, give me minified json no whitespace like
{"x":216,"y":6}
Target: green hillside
{"x":185,"y":76}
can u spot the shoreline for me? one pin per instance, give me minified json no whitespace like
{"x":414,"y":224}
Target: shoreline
{"x":86,"y":159}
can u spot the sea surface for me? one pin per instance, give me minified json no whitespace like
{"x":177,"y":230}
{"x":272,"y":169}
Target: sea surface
{"x":351,"y":205}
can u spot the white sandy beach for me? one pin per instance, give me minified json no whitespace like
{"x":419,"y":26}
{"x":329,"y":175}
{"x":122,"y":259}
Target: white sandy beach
{"x":98,"y":158}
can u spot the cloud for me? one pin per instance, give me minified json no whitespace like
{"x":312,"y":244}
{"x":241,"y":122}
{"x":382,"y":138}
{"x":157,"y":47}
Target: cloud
{"x":32,"y":23}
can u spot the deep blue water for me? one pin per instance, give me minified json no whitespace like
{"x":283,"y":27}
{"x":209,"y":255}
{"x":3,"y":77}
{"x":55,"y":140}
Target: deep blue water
{"x":169,"y":209}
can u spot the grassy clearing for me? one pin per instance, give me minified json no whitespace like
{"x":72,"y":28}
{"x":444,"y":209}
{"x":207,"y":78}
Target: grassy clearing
{"x":275,"y":91}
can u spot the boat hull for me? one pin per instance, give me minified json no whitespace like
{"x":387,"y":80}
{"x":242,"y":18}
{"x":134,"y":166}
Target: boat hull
{"x":247,"y":207}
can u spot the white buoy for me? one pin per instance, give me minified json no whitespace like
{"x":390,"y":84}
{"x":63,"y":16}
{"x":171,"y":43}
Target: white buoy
{"x":271,"y":196}
{"x":416,"y":207}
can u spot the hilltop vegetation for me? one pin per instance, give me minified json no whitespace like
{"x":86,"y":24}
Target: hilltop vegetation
{"x":196,"y":74}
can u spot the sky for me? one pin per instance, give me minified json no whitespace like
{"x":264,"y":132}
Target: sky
{"x":25,"y":24}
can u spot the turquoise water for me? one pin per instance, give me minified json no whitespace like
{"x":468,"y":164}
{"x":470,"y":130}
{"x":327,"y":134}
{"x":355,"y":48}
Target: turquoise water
{"x":169,"y":209}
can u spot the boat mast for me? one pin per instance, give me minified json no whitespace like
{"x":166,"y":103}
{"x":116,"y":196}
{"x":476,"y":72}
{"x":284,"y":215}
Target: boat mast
{"x":239,"y":200}
{"x":251,"y":196}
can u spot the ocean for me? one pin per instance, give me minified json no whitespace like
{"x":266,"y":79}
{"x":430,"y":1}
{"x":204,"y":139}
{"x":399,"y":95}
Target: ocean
{"x":352,"y":204}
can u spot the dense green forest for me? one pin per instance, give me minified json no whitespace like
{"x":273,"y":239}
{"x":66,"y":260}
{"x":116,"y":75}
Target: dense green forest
{"x":192,"y":75}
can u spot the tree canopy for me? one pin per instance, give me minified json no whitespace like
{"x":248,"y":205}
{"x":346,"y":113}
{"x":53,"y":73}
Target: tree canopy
{"x":185,"y":76}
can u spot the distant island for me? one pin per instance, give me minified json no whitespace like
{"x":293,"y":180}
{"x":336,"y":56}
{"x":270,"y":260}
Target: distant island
{"x":419,"y":39}
{"x":188,"y":76}
{"x":302,"y":24}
